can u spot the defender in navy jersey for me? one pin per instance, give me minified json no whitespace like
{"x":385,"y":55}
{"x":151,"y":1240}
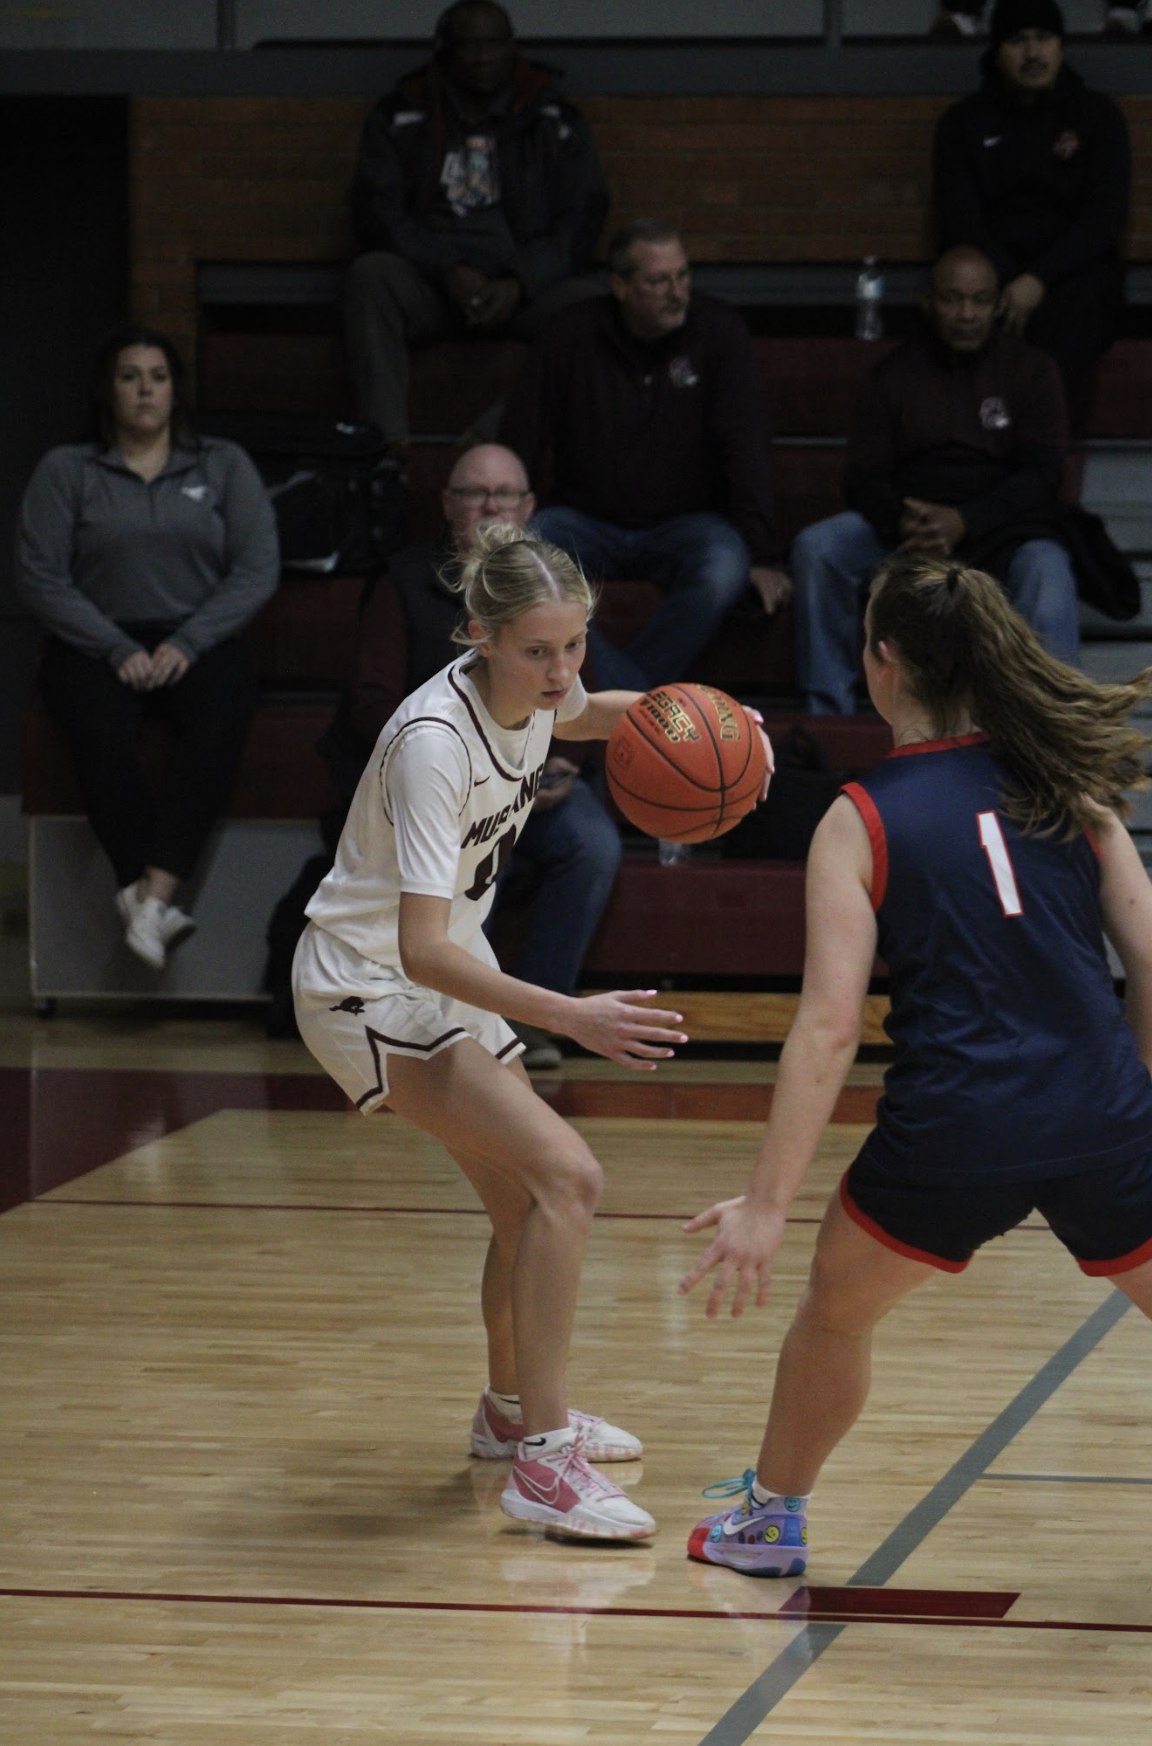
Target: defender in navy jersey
{"x":1013,"y":1058}
{"x":985,"y":860}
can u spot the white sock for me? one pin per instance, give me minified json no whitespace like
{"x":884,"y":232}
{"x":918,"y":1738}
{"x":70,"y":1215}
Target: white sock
{"x":507,"y":1404}
{"x":549,"y":1442}
{"x":762,"y":1494}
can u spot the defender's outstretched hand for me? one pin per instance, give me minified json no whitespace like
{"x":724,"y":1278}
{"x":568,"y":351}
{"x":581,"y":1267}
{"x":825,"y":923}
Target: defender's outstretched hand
{"x":743,"y":1249}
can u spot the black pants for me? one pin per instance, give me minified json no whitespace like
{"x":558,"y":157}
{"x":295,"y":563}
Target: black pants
{"x":1076,"y":322}
{"x":209,"y":710}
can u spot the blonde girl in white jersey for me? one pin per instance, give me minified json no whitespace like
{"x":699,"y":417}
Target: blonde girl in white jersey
{"x":400,"y":997}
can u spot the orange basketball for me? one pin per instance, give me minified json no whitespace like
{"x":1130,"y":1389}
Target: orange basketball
{"x":685,"y":762}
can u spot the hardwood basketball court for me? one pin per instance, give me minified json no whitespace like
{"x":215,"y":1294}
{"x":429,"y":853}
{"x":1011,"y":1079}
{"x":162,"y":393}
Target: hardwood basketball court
{"x":238,"y":1361}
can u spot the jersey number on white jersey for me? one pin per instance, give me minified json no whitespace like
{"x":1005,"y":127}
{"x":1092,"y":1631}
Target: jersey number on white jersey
{"x":492,"y":866}
{"x":996,"y":849}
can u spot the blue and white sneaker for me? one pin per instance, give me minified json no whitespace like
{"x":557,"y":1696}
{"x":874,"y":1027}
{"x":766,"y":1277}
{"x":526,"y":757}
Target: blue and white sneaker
{"x":758,"y":1539}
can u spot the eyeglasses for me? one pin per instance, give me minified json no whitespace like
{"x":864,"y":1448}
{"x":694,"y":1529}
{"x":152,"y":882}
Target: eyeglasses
{"x":679,"y":280}
{"x":474,"y":495}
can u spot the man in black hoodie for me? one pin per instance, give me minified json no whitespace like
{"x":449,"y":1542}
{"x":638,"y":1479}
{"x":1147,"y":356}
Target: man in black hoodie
{"x":477,"y":198}
{"x":956,"y":449}
{"x":1033,"y":169}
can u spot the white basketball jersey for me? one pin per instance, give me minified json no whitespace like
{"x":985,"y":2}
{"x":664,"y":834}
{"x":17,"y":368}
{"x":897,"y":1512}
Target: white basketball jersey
{"x":437,"y":812}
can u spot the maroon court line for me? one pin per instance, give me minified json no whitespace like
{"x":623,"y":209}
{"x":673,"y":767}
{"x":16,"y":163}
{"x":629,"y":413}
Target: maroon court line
{"x":785,"y":1615}
{"x":329,"y":1207}
{"x":360,"y":1207}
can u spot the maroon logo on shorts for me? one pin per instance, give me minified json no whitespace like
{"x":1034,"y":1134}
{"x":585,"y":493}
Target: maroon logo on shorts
{"x":353,"y":1004}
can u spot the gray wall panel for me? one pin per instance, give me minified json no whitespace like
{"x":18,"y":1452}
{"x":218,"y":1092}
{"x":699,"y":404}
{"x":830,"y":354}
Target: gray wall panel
{"x":119,"y":24}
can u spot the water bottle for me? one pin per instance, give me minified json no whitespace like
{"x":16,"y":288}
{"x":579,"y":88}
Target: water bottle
{"x":672,"y":854}
{"x":869,"y":297}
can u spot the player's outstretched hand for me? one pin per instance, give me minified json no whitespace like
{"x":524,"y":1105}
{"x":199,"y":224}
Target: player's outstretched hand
{"x":743,"y":1250}
{"x":616,"y":1026}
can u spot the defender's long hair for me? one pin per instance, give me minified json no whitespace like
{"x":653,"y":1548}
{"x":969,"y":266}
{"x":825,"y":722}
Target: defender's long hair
{"x":1067,"y":740}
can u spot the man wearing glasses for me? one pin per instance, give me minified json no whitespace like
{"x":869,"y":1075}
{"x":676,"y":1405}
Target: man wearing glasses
{"x":646,"y":409}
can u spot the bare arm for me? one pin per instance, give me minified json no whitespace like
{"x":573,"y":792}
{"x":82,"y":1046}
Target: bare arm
{"x":1126,"y":907}
{"x":611,"y":1024}
{"x":599,"y":716}
{"x":821,"y":1046}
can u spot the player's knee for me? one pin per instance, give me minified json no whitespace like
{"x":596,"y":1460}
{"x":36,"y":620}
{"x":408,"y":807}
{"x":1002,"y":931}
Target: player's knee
{"x":831,"y":543}
{"x":723,"y":571}
{"x":829,"y":1303}
{"x":574,"y":1183}
{"x":375,"y":281}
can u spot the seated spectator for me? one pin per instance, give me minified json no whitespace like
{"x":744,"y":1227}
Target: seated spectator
{"x":646,"y":410}
{"x":1034,"y":170}
{"x":569,"y":851}
{"x":142,"y":555}
{"x":477,"y":198}
{"x":956,"y":448}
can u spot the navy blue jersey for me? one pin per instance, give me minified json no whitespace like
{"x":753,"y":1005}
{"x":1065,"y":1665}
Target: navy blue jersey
{"x":1012,"y":1052}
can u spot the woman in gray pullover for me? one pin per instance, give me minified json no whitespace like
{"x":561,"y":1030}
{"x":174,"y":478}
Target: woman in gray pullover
{"x":142,"y":555}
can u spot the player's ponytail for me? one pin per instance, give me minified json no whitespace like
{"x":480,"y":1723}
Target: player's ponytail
{"x":1067,"y":740}
{"x":507,"y":572}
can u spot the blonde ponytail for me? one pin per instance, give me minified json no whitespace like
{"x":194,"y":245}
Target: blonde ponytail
{"x":506,"y":573}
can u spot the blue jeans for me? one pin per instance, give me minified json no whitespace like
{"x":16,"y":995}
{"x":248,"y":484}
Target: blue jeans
{"x":699,"y":562}
{"x":569,"y":856}
{"x":833,"y":562}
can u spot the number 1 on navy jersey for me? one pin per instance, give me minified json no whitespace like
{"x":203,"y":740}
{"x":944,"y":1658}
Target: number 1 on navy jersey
{"x":996,"y":849}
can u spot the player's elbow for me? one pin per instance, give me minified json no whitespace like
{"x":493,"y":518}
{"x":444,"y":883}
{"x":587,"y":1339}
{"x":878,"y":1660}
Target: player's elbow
{"x":418,"y":957}
{"x":832,"y":1031}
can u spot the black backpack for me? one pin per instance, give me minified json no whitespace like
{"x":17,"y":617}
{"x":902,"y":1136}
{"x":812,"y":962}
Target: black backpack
{"x":340,"y":502}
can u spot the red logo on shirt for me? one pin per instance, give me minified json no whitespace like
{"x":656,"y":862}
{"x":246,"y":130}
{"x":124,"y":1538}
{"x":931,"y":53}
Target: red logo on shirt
{"x":1066,"y":144}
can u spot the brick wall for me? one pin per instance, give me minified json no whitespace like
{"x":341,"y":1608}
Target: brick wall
{"x":747,"y":179}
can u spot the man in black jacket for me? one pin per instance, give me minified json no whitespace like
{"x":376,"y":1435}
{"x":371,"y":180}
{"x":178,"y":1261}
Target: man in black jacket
{"x":957,"y":447}
{"x":1034,"y":169}
{"x":646,"y":409}
{"x":477,"y":198}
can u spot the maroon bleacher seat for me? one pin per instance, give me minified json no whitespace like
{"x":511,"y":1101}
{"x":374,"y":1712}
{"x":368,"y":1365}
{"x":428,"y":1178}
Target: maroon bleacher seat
{"x":1119,"y":400}
{"x":275,"y":372}
{"x":306,"y":634}
{"x":454,"y":381}
{"x":805,"y":486}
{"x":702,"y":918}
{"x":811,"y":384}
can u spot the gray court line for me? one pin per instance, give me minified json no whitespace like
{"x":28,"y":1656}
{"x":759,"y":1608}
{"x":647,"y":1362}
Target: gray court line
{"x":750,"y":1709}
{"x":1069,"y":1478}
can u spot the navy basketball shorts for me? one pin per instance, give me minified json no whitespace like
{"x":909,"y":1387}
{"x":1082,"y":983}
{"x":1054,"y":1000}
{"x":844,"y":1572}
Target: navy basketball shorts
{"x":1103,"y":1216}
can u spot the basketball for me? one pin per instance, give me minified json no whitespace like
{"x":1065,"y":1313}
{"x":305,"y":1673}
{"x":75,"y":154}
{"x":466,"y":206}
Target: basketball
{"x":685,"y":762}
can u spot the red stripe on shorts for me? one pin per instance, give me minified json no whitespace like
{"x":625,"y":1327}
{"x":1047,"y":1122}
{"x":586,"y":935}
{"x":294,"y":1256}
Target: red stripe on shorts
{"x":1121,"y":1264}
{"x":882,"y":1236}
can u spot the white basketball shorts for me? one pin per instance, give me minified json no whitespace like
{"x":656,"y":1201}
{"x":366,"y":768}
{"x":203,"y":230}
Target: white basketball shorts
{"x":354,"y":1013}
